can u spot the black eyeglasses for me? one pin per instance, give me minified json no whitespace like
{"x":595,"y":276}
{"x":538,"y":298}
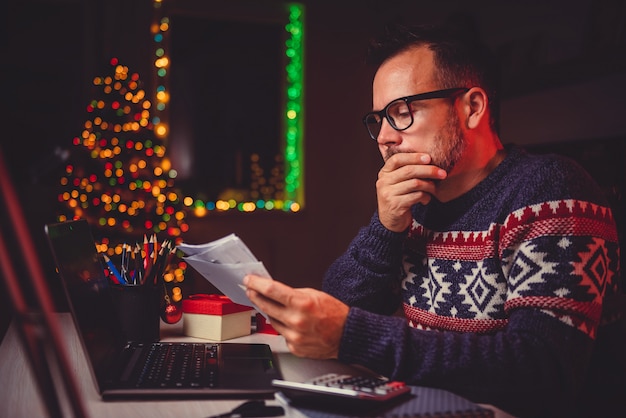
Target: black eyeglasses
{"x":398,"y":112}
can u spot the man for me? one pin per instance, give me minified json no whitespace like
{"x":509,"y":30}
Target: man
{"x":505,"y":264}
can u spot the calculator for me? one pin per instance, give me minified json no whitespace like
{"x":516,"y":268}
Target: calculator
{"x":337,"y":386}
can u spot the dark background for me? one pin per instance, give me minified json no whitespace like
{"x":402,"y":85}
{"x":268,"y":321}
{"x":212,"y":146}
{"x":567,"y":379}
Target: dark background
{"x":564,"y":89}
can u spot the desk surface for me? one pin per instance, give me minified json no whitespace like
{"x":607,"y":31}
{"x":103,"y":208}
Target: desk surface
{"x":19,"y":396}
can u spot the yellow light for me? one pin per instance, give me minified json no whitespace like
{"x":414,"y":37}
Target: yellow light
{"x":166,"y":164}
{"x":163,"y":96}
{"x":222,"y":205}
{"x":188,"y":201}
{"x":160,"y":130}
{"x":200,"y":211}
{"x":162,"y":62}
{"x":249,"y":207}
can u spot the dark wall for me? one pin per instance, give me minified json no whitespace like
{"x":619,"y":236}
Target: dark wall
{"x":54,"y":48}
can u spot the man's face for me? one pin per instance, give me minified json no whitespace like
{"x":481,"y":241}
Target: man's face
{"x":436,"y":128}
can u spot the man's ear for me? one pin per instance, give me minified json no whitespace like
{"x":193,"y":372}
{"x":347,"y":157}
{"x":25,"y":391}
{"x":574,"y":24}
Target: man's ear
{"x":476,"y":107}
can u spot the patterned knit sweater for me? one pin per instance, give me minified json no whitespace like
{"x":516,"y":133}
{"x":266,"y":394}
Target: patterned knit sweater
{"x":502,"y":289}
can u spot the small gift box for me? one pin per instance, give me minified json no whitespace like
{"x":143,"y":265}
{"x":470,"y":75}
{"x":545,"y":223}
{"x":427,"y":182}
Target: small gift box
{"x":215,"y":317}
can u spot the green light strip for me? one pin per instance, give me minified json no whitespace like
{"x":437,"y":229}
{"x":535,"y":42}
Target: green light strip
{"x":294,"y":105}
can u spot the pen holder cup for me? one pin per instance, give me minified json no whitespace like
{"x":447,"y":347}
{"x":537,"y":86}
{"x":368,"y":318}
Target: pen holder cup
{"x":138,"y":311}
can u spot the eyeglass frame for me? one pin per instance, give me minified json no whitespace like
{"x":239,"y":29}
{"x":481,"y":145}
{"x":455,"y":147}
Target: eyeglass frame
{"x":436,"y":94}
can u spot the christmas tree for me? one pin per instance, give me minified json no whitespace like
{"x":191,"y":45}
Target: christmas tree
{"x":118,"y":177}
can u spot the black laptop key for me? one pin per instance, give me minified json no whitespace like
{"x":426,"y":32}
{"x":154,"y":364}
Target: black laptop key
{"x":211,"y":367}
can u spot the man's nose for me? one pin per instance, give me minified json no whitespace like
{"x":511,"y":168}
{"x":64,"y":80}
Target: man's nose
{"x":388,"y":135}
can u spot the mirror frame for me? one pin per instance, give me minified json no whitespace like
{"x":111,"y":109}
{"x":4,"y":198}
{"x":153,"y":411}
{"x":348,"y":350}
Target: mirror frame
{"x":292,"y":112}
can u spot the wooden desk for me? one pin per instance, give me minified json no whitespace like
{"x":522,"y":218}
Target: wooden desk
{"x":19,"y":396}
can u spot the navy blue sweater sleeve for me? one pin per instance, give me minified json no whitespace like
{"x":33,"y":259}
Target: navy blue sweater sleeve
{"x":368,"y":274}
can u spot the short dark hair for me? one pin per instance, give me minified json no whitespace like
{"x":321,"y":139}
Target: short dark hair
{"x":462,"y":59}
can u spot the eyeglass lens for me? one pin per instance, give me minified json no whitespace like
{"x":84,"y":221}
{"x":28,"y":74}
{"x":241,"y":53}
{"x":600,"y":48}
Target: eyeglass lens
{"x":398,"y":114}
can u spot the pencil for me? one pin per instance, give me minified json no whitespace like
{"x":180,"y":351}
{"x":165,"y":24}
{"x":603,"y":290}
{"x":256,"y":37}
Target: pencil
{"x":115,"y":275}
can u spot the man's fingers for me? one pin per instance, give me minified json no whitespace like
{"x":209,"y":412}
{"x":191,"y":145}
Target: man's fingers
{"x":405,"y":158}
{"x":266,"y":286}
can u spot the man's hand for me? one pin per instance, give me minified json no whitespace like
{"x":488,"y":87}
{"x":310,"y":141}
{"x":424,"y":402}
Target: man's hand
{"x":404,"y":180}
{"x":310,"y":320}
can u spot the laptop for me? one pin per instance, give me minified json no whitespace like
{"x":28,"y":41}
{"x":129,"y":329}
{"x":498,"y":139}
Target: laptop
{"x":136,"y":370}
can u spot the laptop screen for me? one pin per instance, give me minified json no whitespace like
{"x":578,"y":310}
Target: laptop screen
{"x":86,"y":288}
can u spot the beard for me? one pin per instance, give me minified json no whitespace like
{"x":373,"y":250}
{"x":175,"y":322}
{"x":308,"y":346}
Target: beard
{"x":450,"y":142}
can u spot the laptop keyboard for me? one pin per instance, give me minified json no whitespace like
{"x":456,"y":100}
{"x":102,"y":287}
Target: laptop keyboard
{"x":177,"y":365}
